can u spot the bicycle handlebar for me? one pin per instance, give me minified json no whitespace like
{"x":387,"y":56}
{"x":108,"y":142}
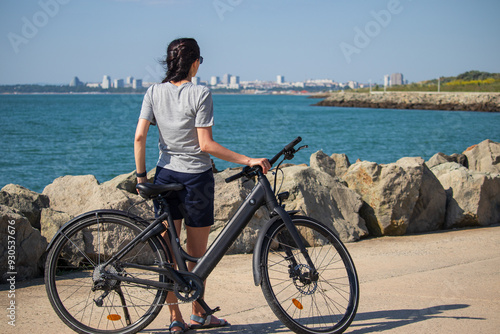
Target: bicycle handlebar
{"x":247,"y":171}
{"x":287,"y":148}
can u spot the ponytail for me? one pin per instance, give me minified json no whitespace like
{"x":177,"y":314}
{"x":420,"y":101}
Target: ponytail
{"x":181,"y":54}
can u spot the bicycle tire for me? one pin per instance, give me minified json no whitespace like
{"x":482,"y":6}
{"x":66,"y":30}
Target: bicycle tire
{"x":70,"y":276}
{"x":327,"y":305}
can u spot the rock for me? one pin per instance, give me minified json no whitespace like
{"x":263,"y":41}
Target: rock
{"x":473,"y":197}
{"x":326,"y":199}
{"x":28,"y":249}
{"x":228,"y":198}
{"x":484,"y":157}
{"x":415,"y":100}
{"x":75,"y":195}
{"x":335,"y":165}
{"x":391,"y":193}
{"x":51,"y":221}
{"x":430,"y":210}
{"x":128,"y":181}
{"x":342,"y":164}
{"x":28,"y":202}
{"x":125,"y":182}
{"x":323,"y":162}
{"x":441,"y":158}
{"x":71,"y":196}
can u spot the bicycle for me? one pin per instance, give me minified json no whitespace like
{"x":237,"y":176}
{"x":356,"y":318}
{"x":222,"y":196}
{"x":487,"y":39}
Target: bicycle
{"x":109,"y":271}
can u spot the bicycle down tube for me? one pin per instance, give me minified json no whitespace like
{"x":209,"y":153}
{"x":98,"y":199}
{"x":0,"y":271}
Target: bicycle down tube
{"x":261,"y":195}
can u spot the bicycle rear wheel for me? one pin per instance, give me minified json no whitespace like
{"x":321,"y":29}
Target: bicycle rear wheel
{"x":305,"y":303}
{"x":89,"y":303}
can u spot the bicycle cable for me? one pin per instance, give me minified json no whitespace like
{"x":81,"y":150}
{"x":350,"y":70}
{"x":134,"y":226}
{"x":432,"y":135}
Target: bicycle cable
{"x":276,"y":177}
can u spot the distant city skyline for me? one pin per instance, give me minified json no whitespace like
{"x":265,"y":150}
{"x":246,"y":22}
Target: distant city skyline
{"x":47,"y":41}
{"x":228,"y":81}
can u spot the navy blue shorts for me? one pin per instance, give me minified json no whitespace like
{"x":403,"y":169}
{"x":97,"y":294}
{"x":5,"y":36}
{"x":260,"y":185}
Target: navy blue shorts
{"x":195,"y":202}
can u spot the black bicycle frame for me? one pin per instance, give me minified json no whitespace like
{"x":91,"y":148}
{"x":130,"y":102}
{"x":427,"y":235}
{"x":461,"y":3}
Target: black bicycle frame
{"x":260,"y":195}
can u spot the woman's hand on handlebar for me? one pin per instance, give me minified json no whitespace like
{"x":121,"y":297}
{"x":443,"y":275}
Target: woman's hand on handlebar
{"x":262,"y":162}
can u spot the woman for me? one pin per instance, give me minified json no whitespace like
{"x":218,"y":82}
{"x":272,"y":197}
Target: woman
{"x":183,"y":113}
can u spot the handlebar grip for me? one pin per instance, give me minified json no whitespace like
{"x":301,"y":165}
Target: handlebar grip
{"x":233,"y":177}
{"x":293,"y":143}
{"x":236,"y":176}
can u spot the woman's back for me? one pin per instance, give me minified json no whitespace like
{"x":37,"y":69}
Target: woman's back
{"x":178,"y":111}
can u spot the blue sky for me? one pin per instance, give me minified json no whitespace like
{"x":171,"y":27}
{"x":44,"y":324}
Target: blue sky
{"x":51,"y":41}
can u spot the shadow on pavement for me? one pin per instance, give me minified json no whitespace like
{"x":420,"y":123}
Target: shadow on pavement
{"x":386,"y":320}
{"x":368,"y":322}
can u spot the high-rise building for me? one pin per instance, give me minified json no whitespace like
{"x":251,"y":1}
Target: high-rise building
{"x":195,"y":80}
{"x":118,"y":83}
{"x":137,"y":83}
{"x":225,"y":78}
{"x":130,"y":81}
{"x":387,"y":80}
{"x":235,"y":80}
{"x":106,"y":82}
{"x":214,"y":81}
{"x":396,"y":79}
{"x":280,"y":79}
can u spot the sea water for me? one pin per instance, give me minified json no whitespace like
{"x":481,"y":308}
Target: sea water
{"x":47,"y":136}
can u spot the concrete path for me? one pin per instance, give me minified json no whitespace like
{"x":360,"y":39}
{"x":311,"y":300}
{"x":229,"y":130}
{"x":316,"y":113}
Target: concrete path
{"x":444,"y":282}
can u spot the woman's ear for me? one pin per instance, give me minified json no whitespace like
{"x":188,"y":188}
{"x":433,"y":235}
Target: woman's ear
{"x":194,"y":68}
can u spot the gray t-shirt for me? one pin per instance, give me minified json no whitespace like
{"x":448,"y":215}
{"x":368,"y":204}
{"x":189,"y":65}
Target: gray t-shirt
{"x":178,"y":111}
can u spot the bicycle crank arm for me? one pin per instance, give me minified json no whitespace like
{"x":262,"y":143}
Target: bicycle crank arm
{"x":167,"y":271}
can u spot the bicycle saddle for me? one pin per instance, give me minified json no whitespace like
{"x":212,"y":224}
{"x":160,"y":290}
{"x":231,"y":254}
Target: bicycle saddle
{"x":149,"y":190}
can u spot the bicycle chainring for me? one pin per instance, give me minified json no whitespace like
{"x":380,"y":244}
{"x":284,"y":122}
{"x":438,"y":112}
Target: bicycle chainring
{"x":193,"y":291}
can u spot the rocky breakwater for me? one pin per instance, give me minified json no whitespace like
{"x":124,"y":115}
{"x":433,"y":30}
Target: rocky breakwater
{"x":355,"y":200}
{"x":414,"y":100}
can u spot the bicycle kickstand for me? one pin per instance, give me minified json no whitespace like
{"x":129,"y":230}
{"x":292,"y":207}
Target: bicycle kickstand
{"x":208,"y":310}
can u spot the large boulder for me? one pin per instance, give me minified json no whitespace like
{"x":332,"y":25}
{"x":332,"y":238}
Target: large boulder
{"x":28,"y":202}
{"x":430,"y":210}
{"x":228,"y":198}
{"x":27,"y":250}
{"x":71,"y":196}
{"x":51,"y":221}
{"x":75,"y":195}
{"x":399,"y":197}
{"x":342,"y":164}
{"x":323,"y":162}
{"x":335,"y":165}
{"x":441,"y":158}
{"x":484,"y":157}
{"x":323,"y":197}
{"x":128,"y":181}
{"x":473,"y":197}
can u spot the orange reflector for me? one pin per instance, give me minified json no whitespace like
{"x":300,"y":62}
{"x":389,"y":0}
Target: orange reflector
{"x":297,"y":304}
{"x":114,"y":317}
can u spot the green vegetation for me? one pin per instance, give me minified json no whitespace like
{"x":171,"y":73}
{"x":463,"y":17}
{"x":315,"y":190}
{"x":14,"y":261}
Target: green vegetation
{"x":471,"y":81}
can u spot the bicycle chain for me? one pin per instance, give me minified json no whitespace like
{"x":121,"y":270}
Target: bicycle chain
{"x":143,"y":287}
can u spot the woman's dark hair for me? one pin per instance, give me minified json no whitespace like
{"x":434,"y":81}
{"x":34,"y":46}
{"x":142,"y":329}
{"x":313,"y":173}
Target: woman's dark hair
{"x":181,"y":54}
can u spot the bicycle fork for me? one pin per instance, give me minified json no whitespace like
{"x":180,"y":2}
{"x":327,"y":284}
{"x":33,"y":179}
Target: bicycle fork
{"x":277,"y":210}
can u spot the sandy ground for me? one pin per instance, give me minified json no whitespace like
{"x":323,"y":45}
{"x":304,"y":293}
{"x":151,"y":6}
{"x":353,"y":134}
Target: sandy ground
{"x":444,"y":282}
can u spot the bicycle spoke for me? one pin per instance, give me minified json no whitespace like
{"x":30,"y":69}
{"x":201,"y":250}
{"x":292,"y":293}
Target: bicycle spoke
{"x":81,"y":290}
{"x":308,"y":301}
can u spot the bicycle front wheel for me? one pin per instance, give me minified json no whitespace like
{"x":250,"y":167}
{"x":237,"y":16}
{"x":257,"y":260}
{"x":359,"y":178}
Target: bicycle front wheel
{"x":76,"y":282}
{"x":303,"y":301}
